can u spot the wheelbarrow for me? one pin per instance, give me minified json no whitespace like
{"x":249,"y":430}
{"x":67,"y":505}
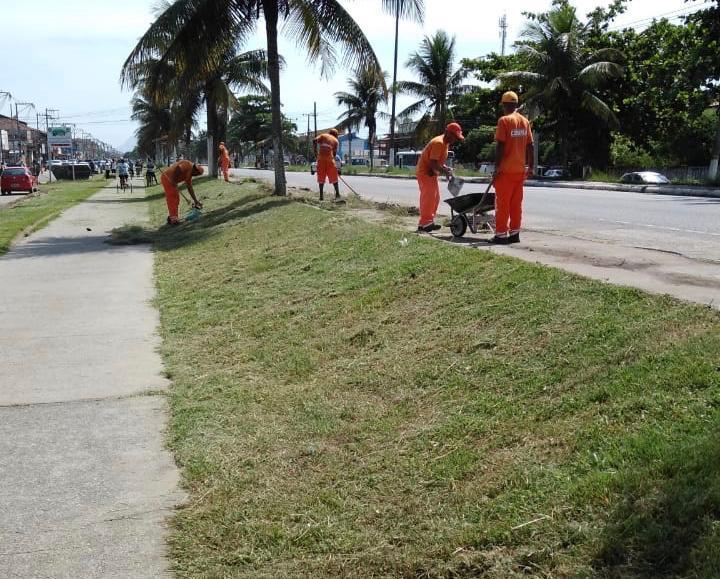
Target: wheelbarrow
{"x":471,"y":210}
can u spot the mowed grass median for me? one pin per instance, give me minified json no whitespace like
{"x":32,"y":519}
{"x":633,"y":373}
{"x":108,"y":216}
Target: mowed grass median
{"x":346,"y":403}
{"x":35,"y":211}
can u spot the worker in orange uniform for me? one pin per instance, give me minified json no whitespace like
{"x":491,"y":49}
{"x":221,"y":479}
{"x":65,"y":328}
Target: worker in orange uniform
{"x":431,"y":164}
{"x":514,"y":161}
{"x":224,"y":161}
{"x":325,"y":147}
{"x":177,"y":173}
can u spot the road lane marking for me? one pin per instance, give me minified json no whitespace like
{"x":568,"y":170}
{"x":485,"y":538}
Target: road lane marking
{"x":650,"y":226}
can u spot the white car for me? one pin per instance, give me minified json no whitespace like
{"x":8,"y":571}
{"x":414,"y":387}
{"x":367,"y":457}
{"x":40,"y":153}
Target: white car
{"x":313,"y":166}
{"x":645,"y":178}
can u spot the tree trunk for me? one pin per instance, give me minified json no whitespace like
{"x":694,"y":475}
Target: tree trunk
{"x":371,"y":140}
{"x":212,"y":123}
{"x":270,"y":8}
{"x":715,"y":155}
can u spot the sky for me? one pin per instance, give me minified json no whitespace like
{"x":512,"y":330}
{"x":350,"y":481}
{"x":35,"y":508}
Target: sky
{"x":69,"y":60}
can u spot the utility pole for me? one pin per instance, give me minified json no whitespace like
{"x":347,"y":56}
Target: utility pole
{"x":315,"y":115}
{"x":503,"y":32}
{"x":48,"y":116}
{"x":17,"y":123}
{"x":5,"y":96}
{"x":391,"y":144}
{"x":307,"y":135}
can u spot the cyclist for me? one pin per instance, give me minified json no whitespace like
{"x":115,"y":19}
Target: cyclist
{"x":123,"y":170}
{"x":131,"y":167}
{"x":150,"y":177}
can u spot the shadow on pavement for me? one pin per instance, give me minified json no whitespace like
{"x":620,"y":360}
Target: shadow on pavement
{"x":121,"y":199}
{"x":166,"y":238}
{"x":59,"y":246}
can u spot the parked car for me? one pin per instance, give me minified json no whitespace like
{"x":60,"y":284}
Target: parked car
{"x":338,"y":166}
{"x":556,"y":174}
{"x":17,"y":179}
{"x":645,"y":178}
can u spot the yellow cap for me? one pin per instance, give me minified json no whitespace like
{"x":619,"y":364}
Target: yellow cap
{"x":509,"y":97}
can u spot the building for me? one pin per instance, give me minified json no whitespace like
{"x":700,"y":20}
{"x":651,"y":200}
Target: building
{"x":405,"y":140}
{"x":351,"y":145}
{"x":20,"y":143}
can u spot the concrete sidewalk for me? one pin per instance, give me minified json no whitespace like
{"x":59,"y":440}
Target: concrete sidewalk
{"x":85,"y":482}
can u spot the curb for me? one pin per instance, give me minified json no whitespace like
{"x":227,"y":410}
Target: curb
{"x":686,"y":191}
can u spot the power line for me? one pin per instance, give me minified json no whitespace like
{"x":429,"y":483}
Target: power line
{"x":681,"y":12}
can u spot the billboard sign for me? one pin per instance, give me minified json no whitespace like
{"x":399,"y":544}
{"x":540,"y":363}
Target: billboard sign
{"x":60,"y":136}
{"x":4,"y":142}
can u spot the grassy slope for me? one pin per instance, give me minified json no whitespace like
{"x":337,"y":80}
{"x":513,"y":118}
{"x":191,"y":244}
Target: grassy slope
{"x":347,"y":405}
{"x":32,"y":213}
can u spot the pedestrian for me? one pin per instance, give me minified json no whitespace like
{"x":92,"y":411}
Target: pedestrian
{"x":325,"y":147}
{"x":514,"y":161}
{"x":150,"y":177}
{"x":123,"y":170}
{"x":236,"y":161}
{"x":430,"y":165}
{"x":179,"y":172}
{"x":224,"y":161}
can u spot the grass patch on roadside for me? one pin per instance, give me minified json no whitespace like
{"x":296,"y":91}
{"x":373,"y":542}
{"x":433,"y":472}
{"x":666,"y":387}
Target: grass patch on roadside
{"x":346,"y":405}
{"x":34,"y":212}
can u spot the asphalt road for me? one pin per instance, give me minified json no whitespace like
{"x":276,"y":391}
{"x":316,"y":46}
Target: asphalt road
{"x":687,"y":226}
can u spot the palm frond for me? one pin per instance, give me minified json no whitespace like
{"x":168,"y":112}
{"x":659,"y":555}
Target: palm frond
{"x":407,"y":9}
{"x":599,"y":72}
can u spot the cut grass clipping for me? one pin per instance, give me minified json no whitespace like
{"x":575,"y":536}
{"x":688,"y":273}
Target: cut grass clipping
{"x":34,"y":212}
{"x":347,"y":405}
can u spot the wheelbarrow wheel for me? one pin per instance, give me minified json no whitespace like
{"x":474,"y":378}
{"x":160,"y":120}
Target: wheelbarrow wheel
{"x":458,"y":226}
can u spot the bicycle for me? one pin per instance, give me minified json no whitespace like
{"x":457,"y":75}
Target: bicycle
{"x":123,"y":184}
{"x":150,"y":178}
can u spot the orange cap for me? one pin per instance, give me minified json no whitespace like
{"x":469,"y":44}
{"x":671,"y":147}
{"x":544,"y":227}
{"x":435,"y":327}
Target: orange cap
{"x":456,"y":130}
{"x":509,"y":97}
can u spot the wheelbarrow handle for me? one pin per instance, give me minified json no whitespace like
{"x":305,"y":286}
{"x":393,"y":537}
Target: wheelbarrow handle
{"x":482,"y":199}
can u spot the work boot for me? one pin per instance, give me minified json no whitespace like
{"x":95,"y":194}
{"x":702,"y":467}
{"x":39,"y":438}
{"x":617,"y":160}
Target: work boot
{"x":514,"y":238}
{"x":495,"y":240}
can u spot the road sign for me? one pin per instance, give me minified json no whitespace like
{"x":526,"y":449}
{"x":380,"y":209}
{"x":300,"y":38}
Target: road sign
{"x":60,"y":136}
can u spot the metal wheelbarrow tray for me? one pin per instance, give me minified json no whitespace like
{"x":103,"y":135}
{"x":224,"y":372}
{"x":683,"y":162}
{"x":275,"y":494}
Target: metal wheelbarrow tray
{"x":471,"y":210}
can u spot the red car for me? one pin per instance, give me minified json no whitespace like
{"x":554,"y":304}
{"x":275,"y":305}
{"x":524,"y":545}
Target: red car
{"x":17,"y":179}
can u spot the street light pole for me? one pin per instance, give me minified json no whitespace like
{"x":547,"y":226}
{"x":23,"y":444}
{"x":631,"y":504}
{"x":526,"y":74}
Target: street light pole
{"x":5,"y":95}
{"x":17,"y":122}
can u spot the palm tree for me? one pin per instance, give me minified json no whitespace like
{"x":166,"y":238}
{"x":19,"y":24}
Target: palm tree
{"x":162,"y":118}
{"x":155,"y":123}
{"x":245,"y":71}
{"x":412,"y":10}
{"x":438,"y":85}
{"x":562,"y":74}
{"x":194,"y":32}
{"x":367,"y":92}
{"x":178,"y":58}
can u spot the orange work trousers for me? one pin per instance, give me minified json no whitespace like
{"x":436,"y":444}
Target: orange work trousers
{"x":326,"y":169}
{"x":429,"y":198}
{"x":225,"y":166}
{"x":508,"y":203}
{"x":172,"y":198}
